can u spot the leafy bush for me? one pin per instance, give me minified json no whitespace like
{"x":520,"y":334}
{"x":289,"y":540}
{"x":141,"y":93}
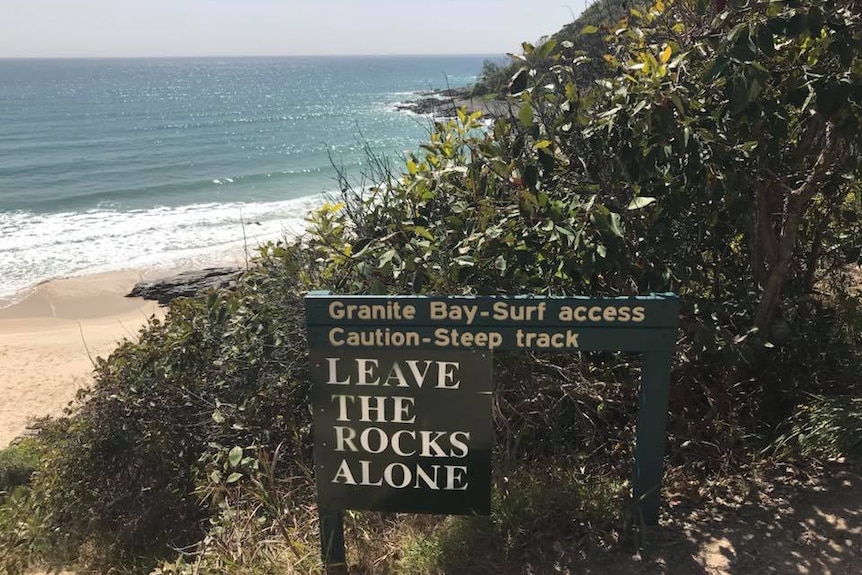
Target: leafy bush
{"x":827,"y":422}
{"x":539,"y":518}
{"x":135,"y":468}
{"x":733,"y":184}
{"x":495,"y":78}
{"x":21,"y":531}
{"x":17,"y":464}
{"x":263,"y":525}
{"x":824,"y":427}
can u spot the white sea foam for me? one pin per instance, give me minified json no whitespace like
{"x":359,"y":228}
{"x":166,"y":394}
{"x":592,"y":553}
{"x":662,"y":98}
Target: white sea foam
{"x":106,"y":142}
{"x":39,"y":247}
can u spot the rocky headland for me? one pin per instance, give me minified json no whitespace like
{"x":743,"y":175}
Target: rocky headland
{"x":445,"y":103}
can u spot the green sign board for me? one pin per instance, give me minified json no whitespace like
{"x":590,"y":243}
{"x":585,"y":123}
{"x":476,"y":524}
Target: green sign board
{"x":402,"y":393}
{"x":555,"y":324}
{"x":403,"y":431}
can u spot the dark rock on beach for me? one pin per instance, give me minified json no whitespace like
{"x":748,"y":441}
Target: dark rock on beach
{"x":445,"y":103}
{"x":185,"y":284}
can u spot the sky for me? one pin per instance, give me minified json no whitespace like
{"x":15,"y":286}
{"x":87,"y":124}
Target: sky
{"x":167,"y":28}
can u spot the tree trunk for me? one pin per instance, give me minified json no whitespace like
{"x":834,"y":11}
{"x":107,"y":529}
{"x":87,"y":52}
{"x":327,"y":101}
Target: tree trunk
{"x":777,"y":275}
{"x":795,"y":201}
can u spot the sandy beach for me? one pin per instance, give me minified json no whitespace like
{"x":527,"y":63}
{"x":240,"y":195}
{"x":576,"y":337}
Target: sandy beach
{"x":47,"y":341}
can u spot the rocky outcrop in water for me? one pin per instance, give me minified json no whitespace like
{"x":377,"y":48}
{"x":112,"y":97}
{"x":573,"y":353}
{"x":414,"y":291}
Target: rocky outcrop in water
{"x":185,"y":284}
{"x":445,"y":103}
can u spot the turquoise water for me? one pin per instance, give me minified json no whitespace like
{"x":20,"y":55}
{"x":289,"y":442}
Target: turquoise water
{"x":111,"y":164}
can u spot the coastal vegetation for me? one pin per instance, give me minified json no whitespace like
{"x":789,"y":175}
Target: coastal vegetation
{"x":671,"y":146}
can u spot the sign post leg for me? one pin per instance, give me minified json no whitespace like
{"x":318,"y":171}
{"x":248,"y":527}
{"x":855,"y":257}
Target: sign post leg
{"x":332,"y":541}
{"x":649,"y":447}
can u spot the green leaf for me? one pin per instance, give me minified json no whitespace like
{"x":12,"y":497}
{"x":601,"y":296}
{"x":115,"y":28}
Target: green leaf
{"x":423,"y":232}
{"x":797,"y":25}
{"x":777,"y":25}
{"x":386,"y":258}
{"x":754,"y":90}
{"x":735,"y":32}
{"x":738,"y":95}
{"x":640,"y":202}
{"x":567,"y":232}
{"x":360,"y":246}
{"x":677,"y":101}
{"x":546,"y":159}
{"x":545,"y":49}
{"x":815,"y":21}
{"x":765,"y":41}
{"x":234,"y":456}
{"x":531,"y":176}
{"x":715,"y":69}
{"x":518,"y":83}
{"x":616,"y":225}
{"x":749,"y":146}
{"x":525,"y":114}
{"x":589,"y":29}
{"x":234,"y":477}
{"x":217,"y":416}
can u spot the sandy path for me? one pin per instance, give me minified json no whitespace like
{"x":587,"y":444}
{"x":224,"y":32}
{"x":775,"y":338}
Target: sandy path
{"x":47,"y":340}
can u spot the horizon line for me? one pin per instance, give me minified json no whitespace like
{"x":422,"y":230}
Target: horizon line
{"x":224,"y":56}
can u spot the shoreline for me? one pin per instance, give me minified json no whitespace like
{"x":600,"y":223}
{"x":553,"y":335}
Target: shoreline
{"x":50,"y":337}
{"x":231,"y":254}
{"x":154,"y":237}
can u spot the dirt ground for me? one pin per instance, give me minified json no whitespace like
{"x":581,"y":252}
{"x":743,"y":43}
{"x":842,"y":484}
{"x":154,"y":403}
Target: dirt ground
{"x":785,"y":521}
{"x":790,"y":521}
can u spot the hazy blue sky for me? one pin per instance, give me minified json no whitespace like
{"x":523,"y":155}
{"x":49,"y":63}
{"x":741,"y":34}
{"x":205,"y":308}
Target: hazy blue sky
{"x":81,"y":28}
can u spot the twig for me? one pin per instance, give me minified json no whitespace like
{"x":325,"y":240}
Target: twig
{"x":86,"y":347}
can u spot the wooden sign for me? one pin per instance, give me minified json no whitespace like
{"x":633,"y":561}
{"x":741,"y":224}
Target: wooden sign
{"x":402,"y":393}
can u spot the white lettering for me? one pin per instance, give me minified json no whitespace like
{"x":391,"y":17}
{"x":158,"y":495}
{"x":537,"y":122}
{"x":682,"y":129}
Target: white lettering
{"x":445,"y":375}
{"x":344,"y":473}
{"x":333,"y":372}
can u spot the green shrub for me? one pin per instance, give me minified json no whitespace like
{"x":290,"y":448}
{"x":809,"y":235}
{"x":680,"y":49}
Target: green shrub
{"x":136,"y":466}
{"x":650,"y":180}
{"x":17,"y":464}
{"x":495,"y":77}
{"x":824,"y":427}
{"x":265,"y":526}
{"x":542,"y":515}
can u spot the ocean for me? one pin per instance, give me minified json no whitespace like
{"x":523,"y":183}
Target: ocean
{"x":118,"y":164}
